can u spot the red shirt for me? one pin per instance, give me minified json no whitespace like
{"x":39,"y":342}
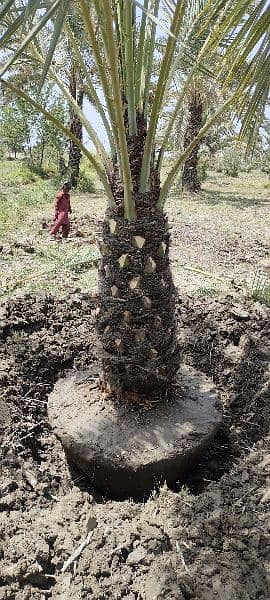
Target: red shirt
{"x":62,"y":207}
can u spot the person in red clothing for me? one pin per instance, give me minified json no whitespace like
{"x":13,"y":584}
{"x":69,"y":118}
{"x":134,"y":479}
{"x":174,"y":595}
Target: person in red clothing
{"x":62,"y":210}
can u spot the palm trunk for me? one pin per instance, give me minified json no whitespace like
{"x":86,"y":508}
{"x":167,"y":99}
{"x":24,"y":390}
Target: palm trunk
{"x":75,"y":153}
{"x":136,"y":314}
{"x":190,"y":179}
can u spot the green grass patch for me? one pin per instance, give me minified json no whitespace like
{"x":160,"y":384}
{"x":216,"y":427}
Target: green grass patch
{"x":17,"y":204}
{"x":260,"y":288}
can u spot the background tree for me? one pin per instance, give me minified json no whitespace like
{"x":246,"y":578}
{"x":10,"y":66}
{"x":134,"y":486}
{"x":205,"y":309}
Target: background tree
{"x":204,"y":98}
{"x":264,"y":150}
{"x":77,"y":91}
{"x":190,"y":176}
{"x":25,"y":129}
{"x":15,"y":126}
{"x":48,"y":139}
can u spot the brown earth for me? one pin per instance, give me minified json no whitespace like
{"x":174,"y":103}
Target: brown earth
{"x":208,"y":540}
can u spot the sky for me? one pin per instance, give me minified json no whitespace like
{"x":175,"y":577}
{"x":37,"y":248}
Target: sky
{"x":96,"y":121}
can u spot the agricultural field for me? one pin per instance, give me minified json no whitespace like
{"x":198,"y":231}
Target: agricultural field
{"x":206,"y":540}
{"x":220,"y":237}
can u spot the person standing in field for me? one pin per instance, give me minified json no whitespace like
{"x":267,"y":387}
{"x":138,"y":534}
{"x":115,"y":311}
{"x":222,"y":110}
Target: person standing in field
{"x":62,"y":210}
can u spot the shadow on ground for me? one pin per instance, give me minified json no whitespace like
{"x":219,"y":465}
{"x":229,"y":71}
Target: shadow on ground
{"x":214,"y":197}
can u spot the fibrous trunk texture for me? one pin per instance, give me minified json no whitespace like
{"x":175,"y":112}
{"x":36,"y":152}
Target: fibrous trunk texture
{"x":136,"y":313}
{"x":75,"y":128}
{"x":190,"y":179}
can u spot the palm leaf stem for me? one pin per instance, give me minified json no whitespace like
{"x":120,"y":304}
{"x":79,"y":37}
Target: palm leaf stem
{"x":129,"y":62}
{"x":149,"y":57}
{"x":112,"y":59}
{"x":119,"y":20}
{"x":139,"y":61}
{"x":159,"y":94}
{"x":91,"y":88}
{"x":174,"y":116}
{"x":103,"y":76}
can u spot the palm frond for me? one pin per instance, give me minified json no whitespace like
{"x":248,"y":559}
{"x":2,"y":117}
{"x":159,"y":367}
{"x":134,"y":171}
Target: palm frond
{"x":30,"y":36}
{"x":13,"y":27}
{"x":243,"y":34}
{"x":58,"y":27}
{"x":160,"y":92}
{"x":91,"y":90}
{"x":5,"y":8}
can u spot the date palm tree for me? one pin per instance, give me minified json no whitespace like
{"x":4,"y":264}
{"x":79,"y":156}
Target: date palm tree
{"x":203,"y":99}
{"x":190,"y":178}
{"x":136,"y":319}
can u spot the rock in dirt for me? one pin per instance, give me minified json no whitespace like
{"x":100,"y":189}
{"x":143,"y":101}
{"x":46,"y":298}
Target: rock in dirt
{"x":239,"y":313}
{"x":26,"y":246}
{"x":266,"y":496}
{"x":137,"y":556}
{"x":6,"y":249}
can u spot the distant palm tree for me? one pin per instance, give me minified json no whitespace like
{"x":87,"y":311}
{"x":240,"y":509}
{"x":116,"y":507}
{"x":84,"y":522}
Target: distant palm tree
{"x":190,"y":177}
{"x":136,"y":318}
{"x":204,"y":98}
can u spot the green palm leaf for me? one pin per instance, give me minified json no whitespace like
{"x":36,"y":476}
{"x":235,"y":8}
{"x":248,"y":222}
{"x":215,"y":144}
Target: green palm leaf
{"x":58,"y":27}
{"x":5,"y":8}
{"x":244,"y":34}
{"x":30,"y":36}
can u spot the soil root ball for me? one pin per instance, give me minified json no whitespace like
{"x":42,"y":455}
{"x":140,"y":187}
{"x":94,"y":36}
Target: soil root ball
{"x":127,"y":451}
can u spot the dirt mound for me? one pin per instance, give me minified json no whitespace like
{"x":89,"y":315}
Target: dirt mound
{"x":211,"y":542}
{"x":83,"y":226}
{"x":231,"y":343}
